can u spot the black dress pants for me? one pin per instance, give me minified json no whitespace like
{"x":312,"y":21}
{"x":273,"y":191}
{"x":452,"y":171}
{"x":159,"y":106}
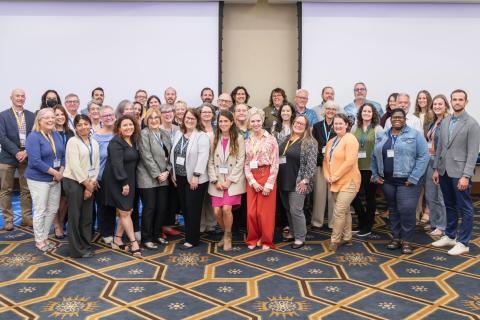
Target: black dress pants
{"x":191,"y":202}
{"x":154,"y":211}
{"x":366,"y":213}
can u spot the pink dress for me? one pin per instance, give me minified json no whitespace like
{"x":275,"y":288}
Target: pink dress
{"x":226,"y":200}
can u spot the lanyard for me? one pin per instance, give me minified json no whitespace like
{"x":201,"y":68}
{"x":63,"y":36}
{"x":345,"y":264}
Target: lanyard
{"x":431,"y":132}
{"x":394,"y":140}
{"x":21,"y":120}
{"x":335,"y":144}
{"x":52,"y":143}
{"x":183,"y":144}
{"x":157,"y":137}
{"x":363,"y":136}
{"x":90,"y":151}
{"x":71,"y":122}
{"x":327,"y":135}
{"x":289,"y":143}
{"x":63,"y":135}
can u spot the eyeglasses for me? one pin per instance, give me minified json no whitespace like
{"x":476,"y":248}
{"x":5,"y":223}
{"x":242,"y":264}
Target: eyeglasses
{"x":224,"y":101}
{"x":72,"y":101}
{"x":300,"y":97}
{"x":360,"y":89}
{"x":154,"y":118}
{"x":109,"y":115}
{"x":190,"y":119}
{"x":166,"y":111}
{"x":144,"y":97}
{"x":206,"y":112}
{"x":398,"y":117}
{"x":300,"y":123}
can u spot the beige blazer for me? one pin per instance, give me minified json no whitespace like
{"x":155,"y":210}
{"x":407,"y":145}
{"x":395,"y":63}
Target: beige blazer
{"x":235,"y":168}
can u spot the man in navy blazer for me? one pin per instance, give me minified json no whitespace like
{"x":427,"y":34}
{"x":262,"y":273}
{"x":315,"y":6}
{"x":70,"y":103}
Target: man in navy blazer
{"x":15,"y":124}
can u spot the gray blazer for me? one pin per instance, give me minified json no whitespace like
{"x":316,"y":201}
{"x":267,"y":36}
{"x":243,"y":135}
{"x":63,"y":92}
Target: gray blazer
{"x":458,"y":156}
{"x":198,"y":151}
{"x":153,"y":160}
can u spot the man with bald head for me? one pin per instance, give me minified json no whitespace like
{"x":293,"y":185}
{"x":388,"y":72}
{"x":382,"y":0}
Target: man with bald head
{"x":225,"y":102}
{"x":15,"y":124}
{"x":170,"y":96}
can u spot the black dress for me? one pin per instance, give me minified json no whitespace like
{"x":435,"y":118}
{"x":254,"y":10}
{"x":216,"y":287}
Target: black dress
{"x":120,"y":170}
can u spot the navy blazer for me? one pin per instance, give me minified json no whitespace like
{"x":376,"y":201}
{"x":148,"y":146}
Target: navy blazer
{"x":9,"y":138}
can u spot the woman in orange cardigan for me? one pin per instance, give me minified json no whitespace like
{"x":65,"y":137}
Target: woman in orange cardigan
{"x":340,"y":167}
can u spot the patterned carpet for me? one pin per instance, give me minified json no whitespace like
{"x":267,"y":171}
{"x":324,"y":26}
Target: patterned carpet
{"x":362,"y":281}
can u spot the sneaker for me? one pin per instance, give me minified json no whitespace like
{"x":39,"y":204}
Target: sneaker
{"x":362,"y":234}
{"x":437,"y":233}
{"x":444,"y":241}
{"x":107,"y":240}
{"x":458,"y":249}
{"x":355,"y":231}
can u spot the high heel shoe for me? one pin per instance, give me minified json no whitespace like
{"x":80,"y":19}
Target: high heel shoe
{"x":116,"y":246}
{"x":136,"y":252}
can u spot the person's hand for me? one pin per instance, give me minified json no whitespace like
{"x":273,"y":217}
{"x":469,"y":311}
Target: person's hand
{"x":266,"y":191}
{"x":257,"y":187}
{"x":58,"y":176}
{"x":21,"y":155}
{"x":226,"y":184}
{"x":194,"y":183}
{"x":462,"y":183}
{"x":436,"y":177}
{"x":87,"y":194}
{"x":408,"y":184}
{"x":380,"y":181}
{"x":302,"y":187}
{"x":163,"y":176}
{"x":219,"y":186}
{"x":125,"y":190}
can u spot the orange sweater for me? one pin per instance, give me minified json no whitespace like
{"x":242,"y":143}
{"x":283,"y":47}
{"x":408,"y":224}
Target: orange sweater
{"x":343,"y":169}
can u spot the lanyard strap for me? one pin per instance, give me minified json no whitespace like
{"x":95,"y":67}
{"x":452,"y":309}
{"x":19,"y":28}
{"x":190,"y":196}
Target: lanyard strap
{"x":21,"y":119}
{"x":157,"y":137}
{"x":183,"y":144}
{"x":289,"y":143}
{"x":327,"y":135}
{"x":363,"y":136}
{"x":334,"y":145}
{"x":90,"y":150}
{"x":394,"y":140}
{"x":52,"y":143}
{"x":431,"y":132}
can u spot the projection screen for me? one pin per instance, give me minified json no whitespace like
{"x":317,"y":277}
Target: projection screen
{"x":120,"y":46}
{"x":392,"y":48}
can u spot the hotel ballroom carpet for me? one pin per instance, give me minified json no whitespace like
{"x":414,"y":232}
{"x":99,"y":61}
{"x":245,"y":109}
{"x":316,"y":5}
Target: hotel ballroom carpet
{"x":362,"y":281}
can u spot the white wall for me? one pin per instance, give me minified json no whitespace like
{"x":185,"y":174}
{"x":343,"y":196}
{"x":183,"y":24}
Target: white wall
{"x":391,"y":47}
{"x":75,"y":47}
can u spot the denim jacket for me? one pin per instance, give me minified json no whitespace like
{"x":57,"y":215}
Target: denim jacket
{"x":411,"y":155}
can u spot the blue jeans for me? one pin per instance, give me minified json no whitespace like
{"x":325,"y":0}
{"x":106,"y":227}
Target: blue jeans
{"x":434,"y":197}
{"x":457,"y":203}
{"x":402,"y":204}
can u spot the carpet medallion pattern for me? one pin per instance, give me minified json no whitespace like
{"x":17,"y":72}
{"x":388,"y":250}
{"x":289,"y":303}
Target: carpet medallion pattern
{"x":361,"y":281}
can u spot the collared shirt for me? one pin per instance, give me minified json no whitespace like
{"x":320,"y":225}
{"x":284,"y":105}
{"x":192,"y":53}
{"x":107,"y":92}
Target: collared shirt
{"x":309,"y":114}
{"x":451,"y":126}
{"x":351,"y":108}
{"x":265,"y":151}
{"x":22,"y":125}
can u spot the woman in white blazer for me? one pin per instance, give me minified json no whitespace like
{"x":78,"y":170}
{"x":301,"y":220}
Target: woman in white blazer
{"x":189,"y":158}
{"x":225,"y":170}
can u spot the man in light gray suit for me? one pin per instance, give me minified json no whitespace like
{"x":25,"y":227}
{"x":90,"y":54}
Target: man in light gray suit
{"x":454,"y":166}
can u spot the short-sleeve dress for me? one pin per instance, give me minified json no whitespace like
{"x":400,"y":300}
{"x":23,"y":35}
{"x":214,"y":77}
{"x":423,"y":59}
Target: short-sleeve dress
{"x":120,"y":170}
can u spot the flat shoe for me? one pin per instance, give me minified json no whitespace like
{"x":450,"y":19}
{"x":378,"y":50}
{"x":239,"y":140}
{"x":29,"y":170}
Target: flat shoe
{"x":184,"y":247}
{"x":150,"y":246}
{"x":407,"y":248}
{"x":394,"y":244}
{"x":288,"y":239}
{"x":297,"y":245}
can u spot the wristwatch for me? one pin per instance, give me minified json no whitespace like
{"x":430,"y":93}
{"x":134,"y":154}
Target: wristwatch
{"x":196,"y":174}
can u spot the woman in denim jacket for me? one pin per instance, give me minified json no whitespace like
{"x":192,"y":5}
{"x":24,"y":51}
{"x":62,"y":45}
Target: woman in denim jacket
{"x":399,"y":161}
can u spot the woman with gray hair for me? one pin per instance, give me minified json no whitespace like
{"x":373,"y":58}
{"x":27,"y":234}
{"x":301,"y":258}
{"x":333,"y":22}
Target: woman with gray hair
{"x":322,"y":132}
{"x":125,"y":107}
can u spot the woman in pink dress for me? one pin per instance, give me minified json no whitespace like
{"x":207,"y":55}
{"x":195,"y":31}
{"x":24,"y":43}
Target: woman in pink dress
{"x":225,"y":170}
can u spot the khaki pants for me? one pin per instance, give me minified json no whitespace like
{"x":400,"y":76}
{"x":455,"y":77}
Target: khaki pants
{"x":342,"y":218}
{"x":46,"y":199}
{"x":322,"y":197}
{"x":7,"y":172}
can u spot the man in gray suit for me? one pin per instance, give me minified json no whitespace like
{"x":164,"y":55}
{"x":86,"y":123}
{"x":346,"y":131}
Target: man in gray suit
{"x":454,"y":166}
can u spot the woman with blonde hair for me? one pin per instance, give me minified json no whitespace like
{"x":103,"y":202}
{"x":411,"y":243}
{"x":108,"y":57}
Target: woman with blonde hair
{"x":153,"y":172}
{"x":261,"y":168}
{"x":46,"y":162}
{"x":225,"y":170}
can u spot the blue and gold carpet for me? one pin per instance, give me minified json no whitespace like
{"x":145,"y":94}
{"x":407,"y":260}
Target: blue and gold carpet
{"x":362,"y":281}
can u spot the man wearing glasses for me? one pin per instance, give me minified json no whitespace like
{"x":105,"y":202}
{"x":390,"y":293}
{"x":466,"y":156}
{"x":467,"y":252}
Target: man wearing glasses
{"x":360,"y":93}
{"x":141,"y":96}
{"x":72,"y":103}
{"x":225,"y":102}
{"x":301,"y":100}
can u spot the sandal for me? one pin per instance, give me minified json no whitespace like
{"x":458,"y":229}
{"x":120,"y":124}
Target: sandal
{"x":116,"y":246}
{"x":45,"y":248}
{"x":59,"y":237}
{"x":137,"y":252}
{"x":161,"y":240}
{"x":425,"y":218}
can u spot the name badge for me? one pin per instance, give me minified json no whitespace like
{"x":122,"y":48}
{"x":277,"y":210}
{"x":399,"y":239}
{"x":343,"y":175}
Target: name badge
{"x":223,"y":169}
{"x":323,"y":150}
{"x":282,"y":160}
{"x":254,"y":164}
{"x":390,"y":153}
{"x":22,"y":136}
{"x":56,"y":163}
{"x":91,"y":172}
{"x":180,"y":161}
{"x":430,"y":145}
{"x":362,"y":154}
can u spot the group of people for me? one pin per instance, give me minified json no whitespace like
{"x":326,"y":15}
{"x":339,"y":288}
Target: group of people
{"x":239,"y":168}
